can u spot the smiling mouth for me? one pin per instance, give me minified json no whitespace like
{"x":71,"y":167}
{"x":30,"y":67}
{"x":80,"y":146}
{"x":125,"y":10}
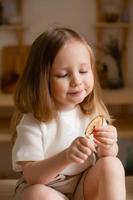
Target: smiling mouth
{"x":75,"y":93}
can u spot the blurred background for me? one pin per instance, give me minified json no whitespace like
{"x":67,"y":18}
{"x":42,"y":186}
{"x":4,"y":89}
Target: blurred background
{"x":107,"y":25}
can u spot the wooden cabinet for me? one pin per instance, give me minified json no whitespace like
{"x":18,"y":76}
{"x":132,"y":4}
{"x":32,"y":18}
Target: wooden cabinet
{"x":12,"y":23}
{"x":13,"y":57}
{"x":112,"y":30}
{"x":113,"y":25}
{"x":12,"y":18}
{"x":120,"y":27}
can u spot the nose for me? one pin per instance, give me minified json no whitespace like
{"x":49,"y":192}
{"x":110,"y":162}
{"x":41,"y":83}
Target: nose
{"x":76,"y":80}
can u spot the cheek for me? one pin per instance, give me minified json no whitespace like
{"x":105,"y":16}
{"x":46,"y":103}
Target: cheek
{"x":89,"y":81}
{"x":58,"y":87}
{"x":92,"y":81}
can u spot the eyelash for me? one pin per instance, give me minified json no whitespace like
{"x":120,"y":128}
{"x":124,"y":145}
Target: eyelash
{"x":63,"y":76}
{"x":83,"y":72}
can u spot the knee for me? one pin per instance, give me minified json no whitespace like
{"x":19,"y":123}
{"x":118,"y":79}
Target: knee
{"x":34,"y":192}
{"x":111,"y":165}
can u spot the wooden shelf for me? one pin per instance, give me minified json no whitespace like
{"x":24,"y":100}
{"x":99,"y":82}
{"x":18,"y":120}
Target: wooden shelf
{"x":124,"y":126}
{"x":111,"y":97}
{"x":6,"y":100}
{"x":5,"y":135}
{"x":11,"y":27}
{"x":118,"y":96}
{"x":113,"y":25}
{"x":125,"y":134}
{"x":5,"y":138}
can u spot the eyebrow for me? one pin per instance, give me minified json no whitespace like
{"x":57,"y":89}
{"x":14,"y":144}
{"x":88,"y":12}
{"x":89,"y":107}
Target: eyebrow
{"x":82,"y":64}
{"x":65,"y":68}
{"x":86,"y":63}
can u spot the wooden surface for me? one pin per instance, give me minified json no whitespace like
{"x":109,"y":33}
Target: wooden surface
{"x":118,"y":96}
{"x":122,"y":27}
{"x":14,"y":58}
{"x":6,"y":100}
{"x":123,"y":124}
{"x":110,"y":97}
{"x":7,"y":188}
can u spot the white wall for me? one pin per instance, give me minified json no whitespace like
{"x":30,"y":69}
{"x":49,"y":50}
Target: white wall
{"x":78,"y":14}
{"x":41,"y":14}
{"x":38,"y":15}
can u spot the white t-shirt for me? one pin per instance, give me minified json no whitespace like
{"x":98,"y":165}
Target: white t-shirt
{"x":37,"y":140}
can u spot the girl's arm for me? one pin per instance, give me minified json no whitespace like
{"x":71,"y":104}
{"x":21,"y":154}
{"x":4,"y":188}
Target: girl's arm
{"x":45,"y":170}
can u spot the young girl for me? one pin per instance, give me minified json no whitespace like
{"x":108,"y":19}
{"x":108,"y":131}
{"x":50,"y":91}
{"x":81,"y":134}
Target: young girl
{"x":56,"y":98}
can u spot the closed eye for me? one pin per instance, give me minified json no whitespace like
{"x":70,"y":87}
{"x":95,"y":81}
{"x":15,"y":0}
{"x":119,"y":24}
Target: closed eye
{"x":83,"y":72}
{"x":61,"y":75}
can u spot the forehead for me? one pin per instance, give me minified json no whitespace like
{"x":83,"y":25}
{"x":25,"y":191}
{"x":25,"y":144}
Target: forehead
{"x":72,"y":51}
{"x":73,"y":46}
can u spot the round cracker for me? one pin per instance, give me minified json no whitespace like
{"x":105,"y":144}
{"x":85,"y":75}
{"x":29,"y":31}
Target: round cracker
{"x":95,"y":123}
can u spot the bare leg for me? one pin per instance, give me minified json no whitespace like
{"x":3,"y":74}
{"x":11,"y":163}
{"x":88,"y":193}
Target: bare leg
{"x":41,"y":192}
{"x":106,"y":180}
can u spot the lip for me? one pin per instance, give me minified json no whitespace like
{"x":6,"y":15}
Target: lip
{"x":75,"y":93}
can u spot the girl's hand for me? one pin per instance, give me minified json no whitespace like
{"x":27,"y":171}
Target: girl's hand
{"x":105,"y":137}
{"x":79,"y":150}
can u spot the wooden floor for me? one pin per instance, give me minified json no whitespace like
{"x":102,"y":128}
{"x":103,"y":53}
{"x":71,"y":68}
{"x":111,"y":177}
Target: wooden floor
{"x":129,"y":187}
{"x":7,"y":187}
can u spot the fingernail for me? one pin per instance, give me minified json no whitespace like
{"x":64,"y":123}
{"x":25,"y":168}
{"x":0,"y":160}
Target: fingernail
{"x":94,"y":132}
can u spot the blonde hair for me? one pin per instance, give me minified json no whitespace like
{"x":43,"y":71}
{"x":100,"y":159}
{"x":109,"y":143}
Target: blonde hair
{"x":33,"y":89}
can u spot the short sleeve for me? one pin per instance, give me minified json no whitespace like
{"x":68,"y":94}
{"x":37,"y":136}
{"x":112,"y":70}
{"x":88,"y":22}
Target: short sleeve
{"x":28,"y":145}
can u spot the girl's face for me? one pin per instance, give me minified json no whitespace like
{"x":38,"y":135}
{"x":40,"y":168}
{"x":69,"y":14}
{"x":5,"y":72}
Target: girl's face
{"x":71,"y":75}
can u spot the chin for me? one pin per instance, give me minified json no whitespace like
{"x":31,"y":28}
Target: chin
{"x":79,"y":100}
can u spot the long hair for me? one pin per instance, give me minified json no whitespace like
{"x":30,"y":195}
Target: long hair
{"x":33,"y":89}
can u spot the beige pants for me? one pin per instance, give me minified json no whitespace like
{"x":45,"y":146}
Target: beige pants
{"x":69,"y":187}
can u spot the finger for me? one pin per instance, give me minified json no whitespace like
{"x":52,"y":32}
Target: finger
{"x":91,"y":145}
{"x":105,"y":146}
{"x":80,"y":154}
{"x":88,"y":143}
{"x":84,"y":149}
{"x":106,"y":141}
{"x":108,"y":128}
{"x":75,"y":159}
{"x":107,"y":134}
{"x":84,"y":141}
